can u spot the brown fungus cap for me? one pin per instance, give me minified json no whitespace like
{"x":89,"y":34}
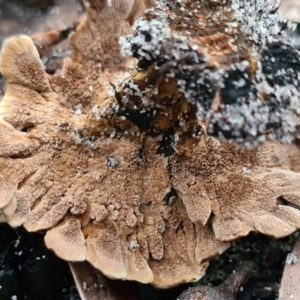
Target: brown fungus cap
{"x":22,"y":64}
{"x":124,"y":175}
{"x":67,"y":239}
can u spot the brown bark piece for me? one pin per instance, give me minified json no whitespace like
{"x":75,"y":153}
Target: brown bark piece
{"x":290,"y":282}
{"x":205,"y":293}
{"x":226,"y":291}
{"x":93,"y":285}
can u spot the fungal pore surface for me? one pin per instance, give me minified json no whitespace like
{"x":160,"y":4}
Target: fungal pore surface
{"x":157,"y":145}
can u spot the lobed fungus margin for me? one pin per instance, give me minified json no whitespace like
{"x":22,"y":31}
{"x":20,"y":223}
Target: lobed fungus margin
{"x":117,"y":166}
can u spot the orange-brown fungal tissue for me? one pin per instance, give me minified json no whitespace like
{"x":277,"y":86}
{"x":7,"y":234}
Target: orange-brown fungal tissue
{"x":150,"y":164}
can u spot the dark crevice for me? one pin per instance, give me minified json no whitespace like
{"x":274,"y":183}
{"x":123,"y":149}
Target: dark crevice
{"x":27,"y":128}
{"x":143,"y":64}
{"x":282,"y":201}
{"x":169,"y":197}
{"x":2,"y":82}
{"x":23,"y":182}
{"x":117,"y":94}
{"x":180,"y":227}
{"x":20,"y":156}
{"x":141,"y":157}
{"x":166,"y":144}
{"x":141,"y":119}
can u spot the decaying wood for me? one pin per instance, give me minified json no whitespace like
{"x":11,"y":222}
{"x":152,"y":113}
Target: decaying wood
{"x":227,"y":290}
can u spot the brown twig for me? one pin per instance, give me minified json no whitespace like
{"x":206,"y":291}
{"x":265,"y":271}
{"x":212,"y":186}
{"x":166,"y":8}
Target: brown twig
{"x":93,"y":285}
{"x":290,"y":287}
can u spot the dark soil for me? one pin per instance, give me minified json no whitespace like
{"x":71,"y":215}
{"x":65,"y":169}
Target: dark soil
{"x":30,"y":271}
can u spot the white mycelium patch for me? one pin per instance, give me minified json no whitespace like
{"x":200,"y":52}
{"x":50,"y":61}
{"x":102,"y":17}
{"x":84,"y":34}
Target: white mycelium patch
{"x":259,"y":96}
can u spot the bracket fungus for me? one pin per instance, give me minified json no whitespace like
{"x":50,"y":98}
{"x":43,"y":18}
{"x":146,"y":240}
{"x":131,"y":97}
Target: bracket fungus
{"x":119,"y":166}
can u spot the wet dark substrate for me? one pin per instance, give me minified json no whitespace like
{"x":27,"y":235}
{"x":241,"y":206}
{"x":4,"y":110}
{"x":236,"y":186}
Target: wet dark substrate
{"x":30,"y":271}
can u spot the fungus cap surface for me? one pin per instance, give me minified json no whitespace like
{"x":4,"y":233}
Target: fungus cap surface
{"x":125,"y":175}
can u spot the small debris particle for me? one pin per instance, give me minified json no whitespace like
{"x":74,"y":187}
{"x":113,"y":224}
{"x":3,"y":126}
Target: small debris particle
{"x":246,"y":171}
{"x":84,"y":285}
{"x":14,"y":297}
{"x":133,"y":245}
{"x":62,"y":124}
{"x":78,"y":109}
{"x":112,"y":161}
{"x":291,"y":259}
{"x":17,"y":242}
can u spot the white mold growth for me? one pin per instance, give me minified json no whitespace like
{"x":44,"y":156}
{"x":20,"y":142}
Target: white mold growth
{"x":234,"y":62}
